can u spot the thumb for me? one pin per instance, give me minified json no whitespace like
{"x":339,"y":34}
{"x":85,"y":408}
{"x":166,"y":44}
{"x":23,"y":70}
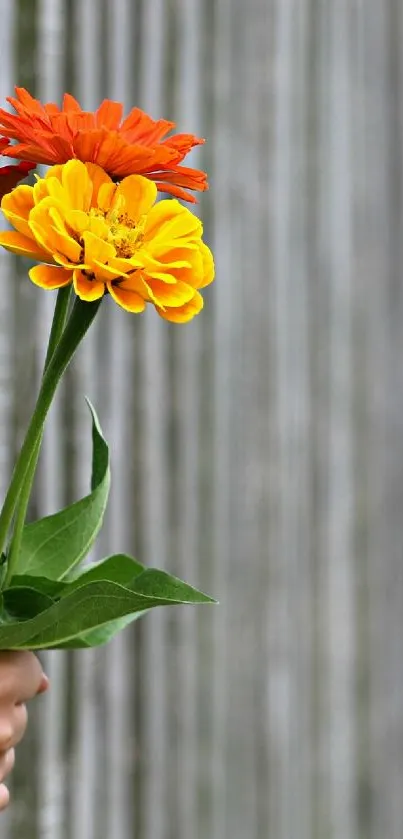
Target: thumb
{"x":44,"y":684}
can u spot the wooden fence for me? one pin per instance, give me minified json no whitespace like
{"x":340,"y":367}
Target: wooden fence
{"x":258,"y":451}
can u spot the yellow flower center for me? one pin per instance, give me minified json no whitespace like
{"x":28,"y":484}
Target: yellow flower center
{"x":120,"y":230}
{"x":124,"y":234}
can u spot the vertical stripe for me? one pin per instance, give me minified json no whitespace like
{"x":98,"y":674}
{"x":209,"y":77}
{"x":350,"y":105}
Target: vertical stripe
{"x":154,"y":419}
{"x":52,"y":765}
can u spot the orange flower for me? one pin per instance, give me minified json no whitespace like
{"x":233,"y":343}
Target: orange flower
{"x":11,"y":175}
{"x":136,"y":145}
{"x":107,"y":237}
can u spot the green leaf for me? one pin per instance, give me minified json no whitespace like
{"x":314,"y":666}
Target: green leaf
{"x":54,"y":545}
{"x":24,"y":603}
{"x":51,"y":588}
{"x":103,"y":634}
{"x":91,"y":610}
{"x":119,"y":568}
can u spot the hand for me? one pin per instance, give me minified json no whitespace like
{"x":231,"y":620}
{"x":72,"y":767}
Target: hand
{"x":21,"y":678}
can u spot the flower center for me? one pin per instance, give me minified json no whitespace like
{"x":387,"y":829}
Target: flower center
{"x":118,"y":229}
{"x":124,"y":234}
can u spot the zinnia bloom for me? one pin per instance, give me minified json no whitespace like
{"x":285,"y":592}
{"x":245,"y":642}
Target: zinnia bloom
{"x":49,"y":134}
{"x":110,"y":237}
{"x":12,"y":174}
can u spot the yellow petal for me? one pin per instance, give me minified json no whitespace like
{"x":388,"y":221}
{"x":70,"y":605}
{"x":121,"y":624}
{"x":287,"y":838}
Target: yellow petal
{"x":40,"y":190}
{"x":163,"y":294}
{"x":48,"y":276}
{"x":55,"y":192}
{"x":60,"y":239}
{"x":134,"y":282}
{"x":55,"y":172}
{"x":16,"y":206}
{"x":106,"y":272}
{"x":78,"y":221}
{"x":171,"y":221}
{"x":167,"y":251}
{"x":100,"y":180}
{"x":163,"y":276}
{"x":182,"y":314}
{"x":125,"y":266}
{"x":105,"y":196}
{"x":46,"y":223}
{"x":96,"y":249}
{"x":59,"y":259}
{"x":139,"y":195}
{"x":189,"y":272}
{"x":208,"y":266}
{"x":77,"y":184}
{"x":98,"y":226}
{"x":127,"y":299}
{"x":19,"y":244}
{"x":87,"y":288}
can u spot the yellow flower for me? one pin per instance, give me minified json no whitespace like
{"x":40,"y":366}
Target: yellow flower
{"x":110,"y":237}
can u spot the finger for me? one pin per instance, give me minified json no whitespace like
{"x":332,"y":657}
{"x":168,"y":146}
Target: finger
{"x":30,"y":676}
{"x":44,"y":685}
{"x":4,"y":797}
{"x":20,"y":676}
{"x":12,"y":726}
{"x":7,"y":760}
{"x":19,"y":722}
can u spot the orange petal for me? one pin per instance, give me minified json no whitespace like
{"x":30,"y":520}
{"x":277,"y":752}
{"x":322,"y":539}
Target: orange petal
{"x":87,"y":288}
{"x":50,"y":277}
{"x":70,"y":103}
{"x":109,"y":114}
{"x":182,"y":314}
{"x":27,"y":100}
{"x":176,"y":191}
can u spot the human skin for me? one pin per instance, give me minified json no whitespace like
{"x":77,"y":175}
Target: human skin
{"x":21,"y":679}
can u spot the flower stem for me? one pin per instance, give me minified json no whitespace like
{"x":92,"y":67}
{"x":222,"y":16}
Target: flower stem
{"x":58,"y":324}
{"x":79,"y":322}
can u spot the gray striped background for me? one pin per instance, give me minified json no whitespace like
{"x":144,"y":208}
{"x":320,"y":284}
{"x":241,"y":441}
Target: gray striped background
{"x":258,"y":451}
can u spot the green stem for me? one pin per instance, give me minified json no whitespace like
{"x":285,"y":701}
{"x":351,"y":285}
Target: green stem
{"x":79,"y":322}
{"x":58,"y":324}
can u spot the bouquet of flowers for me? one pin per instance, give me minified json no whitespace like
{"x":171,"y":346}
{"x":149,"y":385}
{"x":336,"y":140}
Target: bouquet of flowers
{"x":94,"y":227}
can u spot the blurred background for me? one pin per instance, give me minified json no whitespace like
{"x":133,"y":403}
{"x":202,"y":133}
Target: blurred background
{"x":257,"y":452}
